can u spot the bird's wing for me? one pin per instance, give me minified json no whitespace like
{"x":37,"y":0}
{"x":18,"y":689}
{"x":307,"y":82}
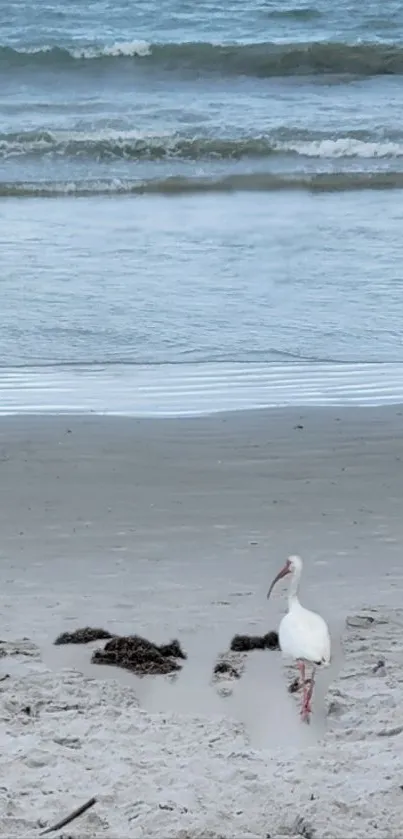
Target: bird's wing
{"x":305,"y":635}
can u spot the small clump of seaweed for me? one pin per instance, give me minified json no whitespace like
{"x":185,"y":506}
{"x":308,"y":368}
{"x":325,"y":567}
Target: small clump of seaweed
{"x":245,"y":643}
{"x":225,"y":668}
{"x":84,"y":636}
{"x":230,"y":665}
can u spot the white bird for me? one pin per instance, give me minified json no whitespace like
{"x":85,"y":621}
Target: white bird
{"x":303,"y":635}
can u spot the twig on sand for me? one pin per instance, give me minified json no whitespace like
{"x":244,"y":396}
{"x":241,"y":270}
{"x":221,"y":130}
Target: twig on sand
{"x":71,"y":817}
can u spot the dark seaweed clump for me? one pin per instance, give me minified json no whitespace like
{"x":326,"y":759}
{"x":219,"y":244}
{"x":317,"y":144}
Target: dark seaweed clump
{"x":84,"y":636}
{"x":139,"y":655}
{"x":245,"y":643}
{"x":226,"y":668}
{"x":131,"y":652}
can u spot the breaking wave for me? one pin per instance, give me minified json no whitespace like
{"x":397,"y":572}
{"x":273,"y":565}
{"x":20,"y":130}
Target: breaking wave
{"x":321,"y":182}
{"x":263,"y":59}
{"x":132,"y":145}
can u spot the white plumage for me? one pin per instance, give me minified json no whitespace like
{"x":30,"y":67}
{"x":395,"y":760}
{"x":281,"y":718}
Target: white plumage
{"x":303,"y":635}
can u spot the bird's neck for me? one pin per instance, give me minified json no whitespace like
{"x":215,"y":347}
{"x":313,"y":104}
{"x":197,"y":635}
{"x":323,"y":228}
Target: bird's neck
{"x":293,"y":591}
{"x":293,"y":601}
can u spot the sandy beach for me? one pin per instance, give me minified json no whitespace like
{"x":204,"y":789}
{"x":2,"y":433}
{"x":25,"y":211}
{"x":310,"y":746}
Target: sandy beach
{"x":174,"y":529}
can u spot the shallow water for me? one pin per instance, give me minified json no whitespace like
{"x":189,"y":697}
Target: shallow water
{"x":226,"y":186}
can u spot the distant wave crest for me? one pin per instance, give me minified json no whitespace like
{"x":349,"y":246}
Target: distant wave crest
{"x":256,"y":59}
{"x":133,"y":145}
{"x":259,"y":182}
{"x":297,"y":13}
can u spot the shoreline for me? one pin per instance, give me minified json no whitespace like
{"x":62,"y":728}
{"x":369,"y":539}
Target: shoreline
{"x":196,"y":389}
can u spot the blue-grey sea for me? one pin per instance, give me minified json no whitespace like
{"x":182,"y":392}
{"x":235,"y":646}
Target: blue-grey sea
{"x":194,"y":194}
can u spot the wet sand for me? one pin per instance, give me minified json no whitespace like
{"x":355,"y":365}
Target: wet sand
{"x":174,"y":528}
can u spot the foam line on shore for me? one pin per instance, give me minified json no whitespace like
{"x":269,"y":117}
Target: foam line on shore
{"x":195,"y":389}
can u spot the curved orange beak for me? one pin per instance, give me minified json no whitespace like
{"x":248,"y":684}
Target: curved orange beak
{"x":283,"y":573}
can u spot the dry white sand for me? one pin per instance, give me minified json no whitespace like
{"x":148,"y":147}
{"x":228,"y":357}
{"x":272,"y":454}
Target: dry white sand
{"x":174,"y":529}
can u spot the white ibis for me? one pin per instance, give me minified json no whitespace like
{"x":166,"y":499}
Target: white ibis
{"x":303,"y":635}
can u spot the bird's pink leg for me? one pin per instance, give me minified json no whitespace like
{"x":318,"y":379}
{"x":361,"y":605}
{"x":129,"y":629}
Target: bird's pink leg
{"x":301,"y":668}
{"x":308,"y":696}
{"x":310,"y":690}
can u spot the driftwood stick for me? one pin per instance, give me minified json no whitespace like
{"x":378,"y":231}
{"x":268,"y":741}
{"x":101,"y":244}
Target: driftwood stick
{"x":71,"y":817}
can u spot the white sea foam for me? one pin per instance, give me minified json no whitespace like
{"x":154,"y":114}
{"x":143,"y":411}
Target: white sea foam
{"x":119,"y":48}
{"x":344,"y":147}
{"x":192,"y":390}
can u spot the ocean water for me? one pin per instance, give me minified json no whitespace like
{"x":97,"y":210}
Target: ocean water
{"x":205,"y":187}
